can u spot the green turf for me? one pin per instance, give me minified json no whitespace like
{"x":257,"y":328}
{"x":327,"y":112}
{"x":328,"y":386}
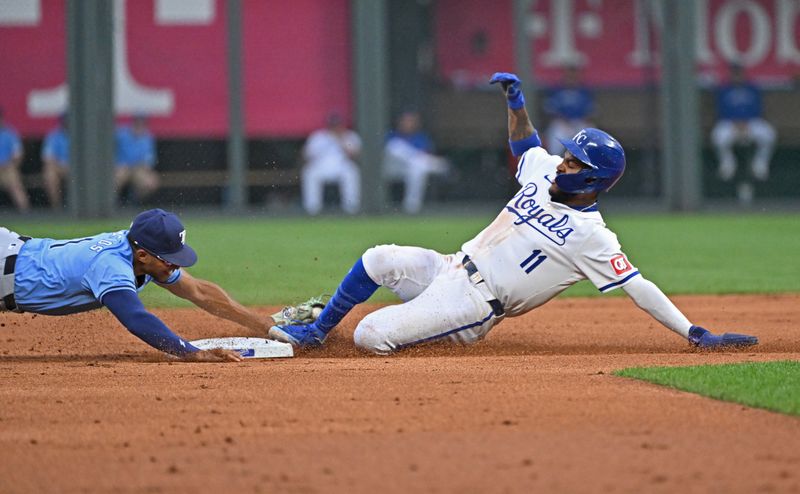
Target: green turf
{"x":262,"y":260}
{"x":770,"y":385}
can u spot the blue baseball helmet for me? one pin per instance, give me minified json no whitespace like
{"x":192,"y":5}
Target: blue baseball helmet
{"x":604,"y":156}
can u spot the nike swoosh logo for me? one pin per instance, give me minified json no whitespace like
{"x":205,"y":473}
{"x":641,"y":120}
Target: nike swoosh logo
{"x":547,"y":177}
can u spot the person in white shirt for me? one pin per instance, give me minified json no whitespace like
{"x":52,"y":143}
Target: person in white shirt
{"x":549,"y":236}
{"x":330,"y":156}
{"x":409,"y":157}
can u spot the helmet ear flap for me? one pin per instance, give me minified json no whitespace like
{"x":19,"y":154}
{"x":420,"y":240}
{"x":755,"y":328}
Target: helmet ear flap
{"x":602,"y":153}
{"x":576,"y":183}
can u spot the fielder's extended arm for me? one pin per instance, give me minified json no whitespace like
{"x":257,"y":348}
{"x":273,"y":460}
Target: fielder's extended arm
{"x":127,"y":307}
{"x":214,"y":300}
{"x":652,"y":300}
{"x":521,"y":134}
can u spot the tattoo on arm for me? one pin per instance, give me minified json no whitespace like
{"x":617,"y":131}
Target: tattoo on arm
{"x":519,"y":124}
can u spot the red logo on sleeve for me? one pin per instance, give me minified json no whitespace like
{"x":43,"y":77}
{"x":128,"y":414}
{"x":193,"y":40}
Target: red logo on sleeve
{"x":620,"y":264}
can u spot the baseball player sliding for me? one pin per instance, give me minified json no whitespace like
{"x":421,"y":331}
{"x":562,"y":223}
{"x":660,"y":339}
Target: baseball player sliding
{"x":59,"y":277}
{"x":549,"y":236}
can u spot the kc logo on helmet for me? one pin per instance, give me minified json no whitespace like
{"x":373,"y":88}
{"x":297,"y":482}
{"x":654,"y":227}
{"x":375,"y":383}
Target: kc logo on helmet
{"x":620,"y":264}
{"x":580,"y":137}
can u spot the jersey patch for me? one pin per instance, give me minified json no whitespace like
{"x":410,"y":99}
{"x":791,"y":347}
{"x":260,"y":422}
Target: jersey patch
{"x":620,"y":264}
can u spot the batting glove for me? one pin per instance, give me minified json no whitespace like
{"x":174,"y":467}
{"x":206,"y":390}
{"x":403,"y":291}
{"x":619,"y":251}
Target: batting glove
{"x":510,"y":84}
{"x":703,"y":338}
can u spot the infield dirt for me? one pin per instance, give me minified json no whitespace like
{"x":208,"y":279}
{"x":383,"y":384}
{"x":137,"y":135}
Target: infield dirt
{"x":86,"y":408}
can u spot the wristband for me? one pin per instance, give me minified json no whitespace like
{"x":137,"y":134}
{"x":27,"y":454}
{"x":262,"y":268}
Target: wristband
{"x":518,"y":148}
{"x":516,"y":101}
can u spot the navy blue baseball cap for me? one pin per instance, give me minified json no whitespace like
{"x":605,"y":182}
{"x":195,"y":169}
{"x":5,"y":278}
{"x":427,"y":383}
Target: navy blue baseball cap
{"x":162,"y":234}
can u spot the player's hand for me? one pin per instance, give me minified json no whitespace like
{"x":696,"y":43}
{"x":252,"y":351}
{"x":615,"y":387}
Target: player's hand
{"x":703,"y":338}
{"x":511,"y":86}
{"x":213,"y":355}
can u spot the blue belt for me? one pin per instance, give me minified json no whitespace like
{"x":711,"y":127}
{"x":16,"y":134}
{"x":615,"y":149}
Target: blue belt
{"x":472,"y":271}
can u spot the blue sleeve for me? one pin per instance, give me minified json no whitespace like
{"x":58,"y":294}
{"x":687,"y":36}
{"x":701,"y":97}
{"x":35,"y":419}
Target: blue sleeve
{"x":127,"y":307}
{"x":48,"y":150}
{"x":518,"y":148}
{"x":15,"y":140}
{"x":426,"y":143}
{"x":551,"y":102}
{"x":109,"y":272}
{"x":150,"y":150}
{"x":589,"y":103}
{"x":119,"y":148}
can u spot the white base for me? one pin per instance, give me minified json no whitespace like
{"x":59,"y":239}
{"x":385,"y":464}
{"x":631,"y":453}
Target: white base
{"x":247,"y":347}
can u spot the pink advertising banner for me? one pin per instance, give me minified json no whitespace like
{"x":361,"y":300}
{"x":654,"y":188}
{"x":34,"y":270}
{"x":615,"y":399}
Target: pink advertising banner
{"x":615,"y":42}
{"x":170,"y":55}
{"x":170,"y":62}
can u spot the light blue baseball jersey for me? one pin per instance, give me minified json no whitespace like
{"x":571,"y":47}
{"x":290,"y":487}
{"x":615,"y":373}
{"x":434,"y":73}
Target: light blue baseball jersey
{"x":56,"y":146}
{"x":133,"y":149}
{"x":57,"y":277}
{"x":10,"y":144}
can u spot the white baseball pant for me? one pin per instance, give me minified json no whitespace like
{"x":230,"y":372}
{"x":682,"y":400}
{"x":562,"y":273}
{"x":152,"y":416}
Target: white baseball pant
{"x":440,"y":301}
{"x":726,"y":133}
{"x":343,"y":172}
{"x":405,"y":162}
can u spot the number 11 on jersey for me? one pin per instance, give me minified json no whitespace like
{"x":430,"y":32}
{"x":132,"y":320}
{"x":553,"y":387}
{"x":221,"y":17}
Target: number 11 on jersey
{"x":533,"y":260}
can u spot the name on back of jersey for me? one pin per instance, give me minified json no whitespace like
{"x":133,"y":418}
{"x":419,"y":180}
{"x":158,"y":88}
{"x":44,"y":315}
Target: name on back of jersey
{"x":103,"y":243}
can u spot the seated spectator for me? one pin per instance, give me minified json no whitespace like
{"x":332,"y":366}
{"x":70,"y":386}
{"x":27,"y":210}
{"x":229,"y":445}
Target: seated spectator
{"x":135,"y":159}
{"x":329,"y":156}
{"x":10,"y":159}
{"x":409,"y":156}
{"x":570,"y":105}
{"x":740,"y":121}
{"x":55,"y":158}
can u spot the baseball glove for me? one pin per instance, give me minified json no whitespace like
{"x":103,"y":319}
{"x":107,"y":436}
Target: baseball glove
{"x":302,"y":313}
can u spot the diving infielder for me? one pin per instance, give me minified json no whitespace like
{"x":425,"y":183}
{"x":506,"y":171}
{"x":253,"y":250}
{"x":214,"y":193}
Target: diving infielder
{"x":548,"y":237}
{"x":60,"y":277}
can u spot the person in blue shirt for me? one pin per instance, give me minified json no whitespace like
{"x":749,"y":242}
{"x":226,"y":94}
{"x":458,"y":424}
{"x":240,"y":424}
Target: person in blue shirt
{"x":409,"y":156}
{"x":60,"y":277}
{"x":10,"y":159}
{"x":570,"y":106}
{"x":55,"y":161}
{"x":740,"y":121}
{"x":136,"y":158}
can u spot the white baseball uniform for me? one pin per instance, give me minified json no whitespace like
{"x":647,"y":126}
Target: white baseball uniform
{"x":726,"y":133}
{"x":403,"y":161}
{"x":531,"y":252}
{"x":328,"y":160}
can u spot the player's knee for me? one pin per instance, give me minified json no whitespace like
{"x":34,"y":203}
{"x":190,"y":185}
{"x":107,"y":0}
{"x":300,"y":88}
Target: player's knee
{"x":369,"y":337}
{"x":379,"y":262}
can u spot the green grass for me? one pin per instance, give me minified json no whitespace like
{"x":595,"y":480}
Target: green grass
{"x":771,"y":385}
{"x":266,"y":261}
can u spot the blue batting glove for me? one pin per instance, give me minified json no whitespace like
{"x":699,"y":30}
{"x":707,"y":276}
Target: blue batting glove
{"x":703,"y":338}
{"x":510,"y":84}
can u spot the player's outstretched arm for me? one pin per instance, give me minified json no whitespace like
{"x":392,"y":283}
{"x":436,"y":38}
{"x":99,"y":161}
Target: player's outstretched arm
{"x":521,"y":134}
{"x":127,"y":307}
{"x":652,"y":300}
{"x":214,"y":300}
